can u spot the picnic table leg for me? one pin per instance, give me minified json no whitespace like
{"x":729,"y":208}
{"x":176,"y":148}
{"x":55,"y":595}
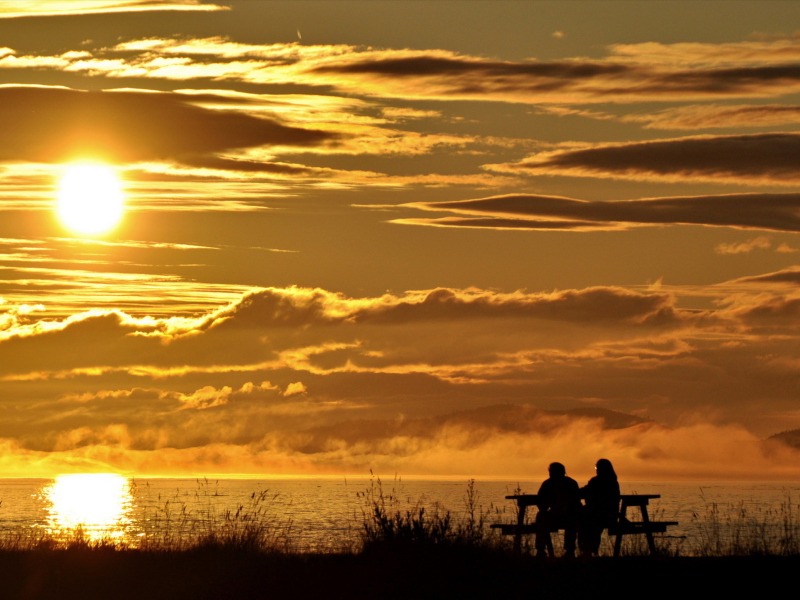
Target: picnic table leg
{"x":618,"y":542}
{"x":651,"y":544}
{"x":520,"y":523}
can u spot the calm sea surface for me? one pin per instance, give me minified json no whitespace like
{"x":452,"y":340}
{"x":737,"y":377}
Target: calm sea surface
{"x":327,"y":513}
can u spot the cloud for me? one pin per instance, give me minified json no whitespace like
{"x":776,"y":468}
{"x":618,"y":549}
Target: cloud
{"x":83,"y":7}
{"x":71,"y":290}
{"x":688,"y":54}
{"x":293,"y":389}
{"x":194,"y":137}
{"x":297,"y":331}
{"x":500,"y":223}
{"x":296,"y":307}
{"x":189,"y":378}
{"x":397,"y":113}
{"x":761,"y":242}
{"x":449,"y":76}
{"x":770,"y":311}
{"x":778,"y":212}
{"x":627,"y":74}
{"x":790,"y":276}
{"x":758,"y":159}
{"x":240,"y":166}
{"x":207,"y":397}
{"x":694,"y":116}
{"x":707,"y":116}
{"x":514,"y":441}
{"x":52,"y":125}
{"x":360,"y":132}
{"x":501,"y":441}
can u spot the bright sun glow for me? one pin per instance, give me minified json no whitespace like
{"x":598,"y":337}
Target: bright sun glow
{"x":97,"y":502}
{"x":90,"y":200}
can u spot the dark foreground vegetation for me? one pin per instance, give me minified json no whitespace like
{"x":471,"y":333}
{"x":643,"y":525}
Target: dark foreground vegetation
{"x":86,"y":574}
{"x":402,"y":551}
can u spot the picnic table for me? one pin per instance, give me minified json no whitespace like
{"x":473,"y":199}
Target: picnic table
{"x":623,"y":526}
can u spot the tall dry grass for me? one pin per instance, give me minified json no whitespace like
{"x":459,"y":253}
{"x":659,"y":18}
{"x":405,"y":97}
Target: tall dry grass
{"x":173,"y":524}
{"x":739,"y":530}
{"x":390,"y":522}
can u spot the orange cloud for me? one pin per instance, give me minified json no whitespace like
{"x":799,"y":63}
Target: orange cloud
{"x":731,"y":54}
{"x":756,"y":159}
{"x":529,"y":211}
{"x":707,"y":116}
{"x":131,"y":126}
{"x":629,"y":73}
{"x":323,"y":355}
{"x":762,"y":243}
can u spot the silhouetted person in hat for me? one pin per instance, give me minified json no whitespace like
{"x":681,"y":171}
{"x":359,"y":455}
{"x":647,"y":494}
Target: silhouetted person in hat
{"x":601,"y":510}
{"x":559,"y":507}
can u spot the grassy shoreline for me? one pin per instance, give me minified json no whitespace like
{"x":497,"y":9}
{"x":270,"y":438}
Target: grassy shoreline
{"x":403,"y":550}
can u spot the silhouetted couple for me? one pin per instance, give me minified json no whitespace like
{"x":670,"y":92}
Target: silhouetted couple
{"x":560,"y":508}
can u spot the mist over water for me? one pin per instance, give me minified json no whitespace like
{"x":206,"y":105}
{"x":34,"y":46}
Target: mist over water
{"x":327,"y":514}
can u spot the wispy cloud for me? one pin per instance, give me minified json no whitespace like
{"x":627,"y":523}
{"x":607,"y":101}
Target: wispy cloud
{"x":761,"y":243}
{"x":13,"y":9}
{"x":727,"y":54}
{"x":693,"y":116}
{"x":409,"y":113}
{"x":77,"y":275}
{"x":639,"y":72}
{"x":68,"y":289}
{"x":776,"y":212}
{"x":789,"y":276}
{"x":708,"y":116}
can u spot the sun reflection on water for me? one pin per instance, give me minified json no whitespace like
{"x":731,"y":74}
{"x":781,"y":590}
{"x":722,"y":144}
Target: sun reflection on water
{"x":99,"y":504}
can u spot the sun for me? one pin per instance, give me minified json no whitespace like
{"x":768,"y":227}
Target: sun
{"x":90,"y":199}
{"x":98,"y":503}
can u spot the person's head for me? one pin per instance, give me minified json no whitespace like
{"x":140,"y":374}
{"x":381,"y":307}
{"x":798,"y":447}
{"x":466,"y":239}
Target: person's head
{"x":556,"y":469}
{"x":605,"y":469}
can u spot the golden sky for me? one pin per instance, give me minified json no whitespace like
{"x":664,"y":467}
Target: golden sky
{"x":436,"y":238}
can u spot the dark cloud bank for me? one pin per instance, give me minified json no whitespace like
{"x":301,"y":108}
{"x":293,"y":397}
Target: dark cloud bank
{"x":758,"y":158}
{"x":579,"y":80}
{"x":52,"y":125}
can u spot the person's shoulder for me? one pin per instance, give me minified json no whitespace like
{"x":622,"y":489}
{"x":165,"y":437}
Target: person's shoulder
{"x":571,"y":482}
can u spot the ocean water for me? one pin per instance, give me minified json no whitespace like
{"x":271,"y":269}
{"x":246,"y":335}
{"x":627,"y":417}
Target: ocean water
{"x":323,"y":514}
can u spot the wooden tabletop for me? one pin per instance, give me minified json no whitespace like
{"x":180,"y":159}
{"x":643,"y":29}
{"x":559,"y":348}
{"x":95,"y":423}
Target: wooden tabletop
{"x":628,"y":499}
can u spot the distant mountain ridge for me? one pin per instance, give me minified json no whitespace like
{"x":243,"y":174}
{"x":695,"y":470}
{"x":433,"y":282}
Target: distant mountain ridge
{"x":790,"y":437}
